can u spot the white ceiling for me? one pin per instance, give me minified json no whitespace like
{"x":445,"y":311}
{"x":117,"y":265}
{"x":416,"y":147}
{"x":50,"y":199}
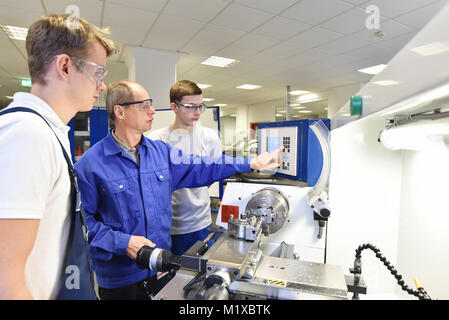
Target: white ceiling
{"x":310,"y":45}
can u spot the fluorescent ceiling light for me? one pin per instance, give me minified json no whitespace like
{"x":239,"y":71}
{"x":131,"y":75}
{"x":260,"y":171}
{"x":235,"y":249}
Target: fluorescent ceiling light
{"x":15,"y":33}
{"x":281,"y":111}
{"x":374,"y":69}
{"x":298,"y":92}
{"x":305,"y":111}
{"x":248,"y":87}
{"x":294,"y":105}
{"x":309,"y":98}
{"x":233,"y":115}
{"x":431,"y":49}
{"x":300,"y":107}
{"x":279,"y":115}
{"x":386,"y":82}
{"x":219,"y":61}
{"x":220,"y":104}
{"x":203,"y":86}
{"x":208,"y":99}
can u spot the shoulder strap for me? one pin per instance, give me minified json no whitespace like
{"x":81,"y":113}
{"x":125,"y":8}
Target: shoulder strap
{"x":66,"y":156}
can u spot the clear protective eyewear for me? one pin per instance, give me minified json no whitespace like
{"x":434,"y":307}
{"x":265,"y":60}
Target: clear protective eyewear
{"x":143,"y":105}
{"x":92,"y":70}
{"x":189,"y":107}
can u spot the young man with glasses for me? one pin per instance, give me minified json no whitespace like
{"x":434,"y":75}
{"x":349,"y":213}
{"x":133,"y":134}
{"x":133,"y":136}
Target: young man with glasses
{"x":67,"y":68}
{"x":191,"y":206}
{"x":126,"y":182}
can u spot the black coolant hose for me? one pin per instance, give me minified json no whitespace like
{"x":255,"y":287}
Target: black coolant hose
{"x":421,"y":293}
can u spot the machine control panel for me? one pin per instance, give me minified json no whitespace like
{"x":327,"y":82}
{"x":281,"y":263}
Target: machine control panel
{"x":274,"y":138}
{"x":302,"y":158}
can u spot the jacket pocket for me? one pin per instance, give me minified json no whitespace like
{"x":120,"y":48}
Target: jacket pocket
{"x":115,"y":198}
{"x":161,"y":189}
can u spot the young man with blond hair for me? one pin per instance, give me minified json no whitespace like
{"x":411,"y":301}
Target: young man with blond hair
{"x":67,"y":68}
{"x":191,"y":206}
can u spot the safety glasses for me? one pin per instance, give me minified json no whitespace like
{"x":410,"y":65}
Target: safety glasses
{"x":188,"y":107}
{"x":92,"y":70}
{"x":143,"y":105}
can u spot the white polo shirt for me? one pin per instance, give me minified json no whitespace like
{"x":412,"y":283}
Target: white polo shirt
{"x":35,"y":185}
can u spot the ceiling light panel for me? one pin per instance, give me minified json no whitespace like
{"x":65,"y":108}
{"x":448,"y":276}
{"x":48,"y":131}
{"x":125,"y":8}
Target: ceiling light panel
{"x":298,"y":92}
{"x":248,"y":87}
{"x":431,"y":49}
{"x":15,"y":33}
{"x":310,"y":97}
{"x":374,"y":69}
{"x":386,"y":82}
{"x":219,"y":62}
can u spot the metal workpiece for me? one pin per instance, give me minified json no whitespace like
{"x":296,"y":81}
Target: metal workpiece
{"x":232,"y":255}
{"x":245,"y":228}
{"x":278,"y":278}
{"x":271,"y":206}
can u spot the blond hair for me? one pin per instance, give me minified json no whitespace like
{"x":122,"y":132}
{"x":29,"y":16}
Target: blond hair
{"x":52,"y":35}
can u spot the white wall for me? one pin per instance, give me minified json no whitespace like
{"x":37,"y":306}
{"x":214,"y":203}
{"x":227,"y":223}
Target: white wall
{"x":263,"y":112}
{"x":154,"y":69}
{"x":364,"y":193}
{"x":396,"y":200}
{"x":424,"y":221}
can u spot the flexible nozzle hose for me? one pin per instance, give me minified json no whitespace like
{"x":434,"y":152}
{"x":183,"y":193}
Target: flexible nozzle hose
{"x":420,"y":293}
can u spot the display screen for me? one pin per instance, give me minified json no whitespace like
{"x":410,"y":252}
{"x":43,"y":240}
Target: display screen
{"x":273,"y":143}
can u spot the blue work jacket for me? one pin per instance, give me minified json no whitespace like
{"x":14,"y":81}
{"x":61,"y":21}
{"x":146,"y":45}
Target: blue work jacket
{"x":122,"y":198}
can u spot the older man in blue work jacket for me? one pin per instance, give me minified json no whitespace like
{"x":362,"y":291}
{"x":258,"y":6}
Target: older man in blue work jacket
{"x":126,"y":181}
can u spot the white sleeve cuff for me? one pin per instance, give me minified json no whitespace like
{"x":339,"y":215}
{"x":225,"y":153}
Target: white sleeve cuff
{"x":19,"y":213}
